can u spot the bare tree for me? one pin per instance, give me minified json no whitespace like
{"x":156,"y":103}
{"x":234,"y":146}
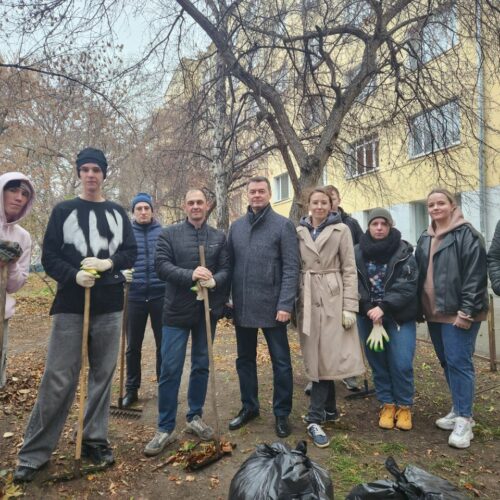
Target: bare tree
{"x":322,"y":73}
{"x":324,"y":69}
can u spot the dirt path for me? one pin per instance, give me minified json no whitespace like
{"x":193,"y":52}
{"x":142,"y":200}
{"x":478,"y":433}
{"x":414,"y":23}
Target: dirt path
{"x":356,"y":454}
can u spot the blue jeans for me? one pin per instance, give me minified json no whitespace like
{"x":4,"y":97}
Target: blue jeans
{"x":246,"y":366}
{"x":173,"y":352}
{"x":393,"y":367}
{"x":454,"y":348}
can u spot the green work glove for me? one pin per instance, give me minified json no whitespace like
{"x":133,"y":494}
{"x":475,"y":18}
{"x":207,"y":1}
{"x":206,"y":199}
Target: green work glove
{"x":375,"y":340}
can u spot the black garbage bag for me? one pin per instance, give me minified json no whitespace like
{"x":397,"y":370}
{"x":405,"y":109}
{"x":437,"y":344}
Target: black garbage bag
{"x":411,"y":484}
{"x":275,"y":472}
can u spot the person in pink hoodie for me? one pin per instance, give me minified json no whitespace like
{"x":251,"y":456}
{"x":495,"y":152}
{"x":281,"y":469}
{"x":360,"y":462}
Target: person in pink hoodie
{"x":18,"y":195}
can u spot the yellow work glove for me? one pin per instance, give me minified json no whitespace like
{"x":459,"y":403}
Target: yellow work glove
{"x":375,"y":340}
{"x":348,"y":319}
{"x":100,"y":265}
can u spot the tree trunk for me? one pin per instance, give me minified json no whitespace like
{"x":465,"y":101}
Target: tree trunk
{"x":221,"y":173}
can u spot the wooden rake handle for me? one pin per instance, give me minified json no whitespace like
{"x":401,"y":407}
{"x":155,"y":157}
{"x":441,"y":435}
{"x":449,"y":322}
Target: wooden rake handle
{"x":4,"y":277}
{"x":211,"y":364}
{"x":83,"y":375}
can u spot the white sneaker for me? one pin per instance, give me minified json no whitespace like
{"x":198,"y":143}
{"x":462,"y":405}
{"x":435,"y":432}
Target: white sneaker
{"x":160,"y":441}
{"x":462,"y":433}
{"x":200,"y":428}
{"x":447,"y":423}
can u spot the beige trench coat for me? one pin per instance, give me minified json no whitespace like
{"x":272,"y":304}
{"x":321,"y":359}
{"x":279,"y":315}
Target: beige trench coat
{"x":328,"y":285}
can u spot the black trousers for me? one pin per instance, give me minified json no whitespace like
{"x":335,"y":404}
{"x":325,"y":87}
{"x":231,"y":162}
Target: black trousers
{"x":138,"y":313}
{"x":322,"y":399}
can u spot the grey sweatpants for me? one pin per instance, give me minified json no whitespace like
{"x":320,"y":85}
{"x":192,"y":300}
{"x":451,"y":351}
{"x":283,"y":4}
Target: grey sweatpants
{"x":60,"y":379}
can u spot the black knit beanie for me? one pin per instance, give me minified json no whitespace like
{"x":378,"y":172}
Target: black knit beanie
{"x":91,"y":155}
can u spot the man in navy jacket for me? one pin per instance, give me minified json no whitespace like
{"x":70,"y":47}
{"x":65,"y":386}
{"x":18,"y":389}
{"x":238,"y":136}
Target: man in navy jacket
{"x":146,"y":294}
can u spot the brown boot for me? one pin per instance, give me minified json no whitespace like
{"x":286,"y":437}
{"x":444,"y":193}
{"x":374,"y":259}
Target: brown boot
{"x":403,"y":418}
{"x":387,"y":416}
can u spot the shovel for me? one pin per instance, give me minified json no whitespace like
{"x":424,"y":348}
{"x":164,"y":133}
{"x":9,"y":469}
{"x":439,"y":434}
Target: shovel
{"x":79,"y":471}
{"x":119,"y":411}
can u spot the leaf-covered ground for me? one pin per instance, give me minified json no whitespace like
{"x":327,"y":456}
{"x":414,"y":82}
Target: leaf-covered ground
{"x":356,"y":454}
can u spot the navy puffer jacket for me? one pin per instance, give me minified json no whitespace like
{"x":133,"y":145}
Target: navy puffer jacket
{"x":146,"y":285}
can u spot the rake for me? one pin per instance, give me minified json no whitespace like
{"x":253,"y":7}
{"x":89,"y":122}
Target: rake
{"x":118,"y":411}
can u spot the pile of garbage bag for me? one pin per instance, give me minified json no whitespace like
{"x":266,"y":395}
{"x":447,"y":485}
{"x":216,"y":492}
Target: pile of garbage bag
{"x":412,"y":483}
{"x":276,"y":472}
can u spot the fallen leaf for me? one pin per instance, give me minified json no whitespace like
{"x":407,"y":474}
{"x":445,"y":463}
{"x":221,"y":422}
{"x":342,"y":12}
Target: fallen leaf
{"x":190,"y":478}
{"x":470,"y":487}
{"x":8,"y":434}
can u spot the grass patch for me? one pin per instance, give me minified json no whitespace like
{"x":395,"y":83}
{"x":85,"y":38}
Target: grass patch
{"x":393,"y":448}
{"x":348,"y":463}
{"x":443,"y":464}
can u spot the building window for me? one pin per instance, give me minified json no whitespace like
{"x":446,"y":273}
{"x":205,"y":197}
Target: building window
{"x":435,"y":129}
{"x":362,"y":157}
{"x":282,"y":187}
{"x":433,"y":36}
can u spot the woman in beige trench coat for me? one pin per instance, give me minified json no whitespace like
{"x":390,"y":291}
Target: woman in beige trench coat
{"x":326,"y":309}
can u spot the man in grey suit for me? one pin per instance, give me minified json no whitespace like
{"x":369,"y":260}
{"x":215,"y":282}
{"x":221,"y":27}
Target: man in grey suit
{"x":265,"y":261}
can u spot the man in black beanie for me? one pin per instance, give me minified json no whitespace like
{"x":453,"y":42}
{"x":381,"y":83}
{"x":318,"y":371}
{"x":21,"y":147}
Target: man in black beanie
{"x":87,"y":232}
{"x":91,"y":155}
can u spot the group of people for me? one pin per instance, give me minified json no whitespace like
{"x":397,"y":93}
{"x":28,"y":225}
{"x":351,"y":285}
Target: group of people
{"x":351,"y":295}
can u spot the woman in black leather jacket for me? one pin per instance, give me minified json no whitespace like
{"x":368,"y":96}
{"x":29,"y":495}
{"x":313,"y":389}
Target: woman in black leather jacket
{"x":453,"y":294}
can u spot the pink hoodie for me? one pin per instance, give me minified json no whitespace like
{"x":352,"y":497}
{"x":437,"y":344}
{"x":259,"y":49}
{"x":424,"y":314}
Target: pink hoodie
{"x":11,"y":231}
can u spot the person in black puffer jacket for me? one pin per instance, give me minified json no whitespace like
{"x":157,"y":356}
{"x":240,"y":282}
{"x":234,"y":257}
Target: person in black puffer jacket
{"x":387,"y":286}
{"x":494,"y":261}
{"x":145,"y":296}
{"x":178,"y":264}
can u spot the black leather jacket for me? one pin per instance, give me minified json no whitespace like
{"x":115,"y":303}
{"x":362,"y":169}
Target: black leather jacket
{"x":494,"y":261}
{"x":400,"y":287}
{"x":459,"y":271}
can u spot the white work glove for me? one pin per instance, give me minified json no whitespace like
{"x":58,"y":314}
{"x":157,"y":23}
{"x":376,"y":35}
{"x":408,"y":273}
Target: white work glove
{"x":99,"y":265}
{"x":207,"y":283}
{"x":375,"y":340}
{"x":128,"y":275}
{"x":348,"y":319}
{"x":197,"y":290}
{"x":85,"y":279}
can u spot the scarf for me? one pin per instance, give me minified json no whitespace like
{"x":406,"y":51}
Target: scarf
{"x":380,"y":251}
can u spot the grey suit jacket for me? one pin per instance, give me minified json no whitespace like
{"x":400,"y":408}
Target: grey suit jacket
{"x":265,"y":263}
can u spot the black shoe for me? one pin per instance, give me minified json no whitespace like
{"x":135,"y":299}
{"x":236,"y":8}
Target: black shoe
{"x":243,"y":417}
{"x":130,"y":398}
{"x":98,"y":453}
{"x":24,"y":474}
{"x":283,"y":427}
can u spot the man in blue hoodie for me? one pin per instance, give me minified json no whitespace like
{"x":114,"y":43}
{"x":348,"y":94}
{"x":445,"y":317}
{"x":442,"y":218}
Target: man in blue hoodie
{"x":146,"y":294}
